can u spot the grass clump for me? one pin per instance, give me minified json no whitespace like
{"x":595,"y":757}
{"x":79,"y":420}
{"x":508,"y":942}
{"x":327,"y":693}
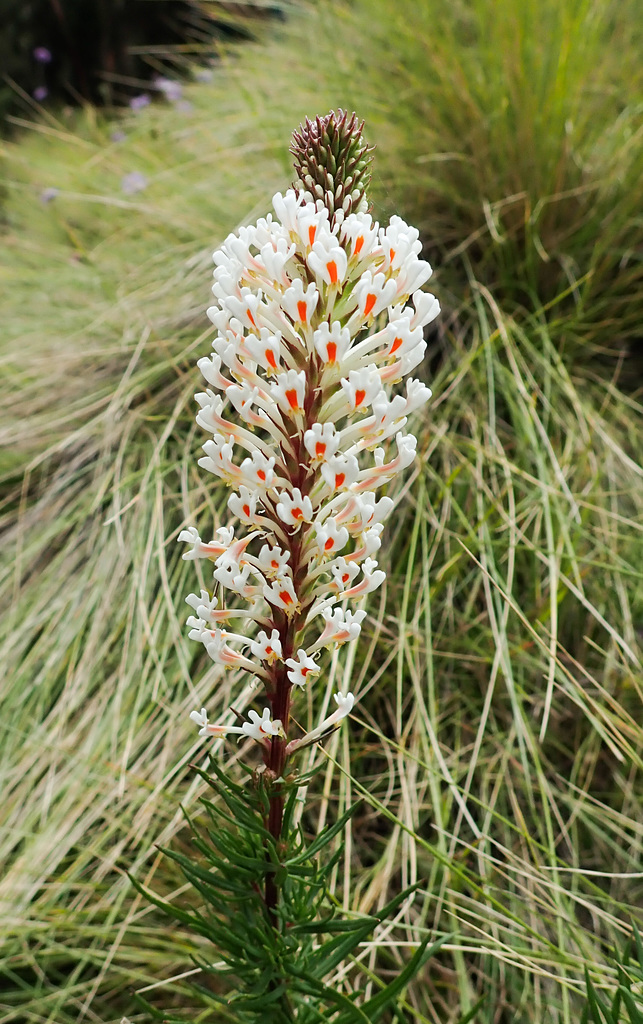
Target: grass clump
{"x":498,"y":744}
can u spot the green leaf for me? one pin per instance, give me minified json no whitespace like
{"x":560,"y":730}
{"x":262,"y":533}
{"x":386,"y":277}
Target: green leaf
{"x":600,"y":1012}
{"x":324,"y":838}
{"x":635,"y":1014}
{"x":331,"y":925}
{"x":375,"y":1006}
{"x":472,"y":1012}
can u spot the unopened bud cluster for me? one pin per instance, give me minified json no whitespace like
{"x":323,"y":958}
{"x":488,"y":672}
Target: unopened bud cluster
{"x":319,"y":315}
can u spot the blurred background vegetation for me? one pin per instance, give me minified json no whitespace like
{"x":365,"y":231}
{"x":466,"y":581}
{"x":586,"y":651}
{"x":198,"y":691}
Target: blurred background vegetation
{"x":105,"y":51}
{"x":498,"y":739}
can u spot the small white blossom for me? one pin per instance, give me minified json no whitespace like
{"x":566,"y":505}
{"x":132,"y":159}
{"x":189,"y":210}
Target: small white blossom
{"x":328,"y":262}
{"x":332,"y":343}
{"x":288,"y":390}
{"x":372,"y":579}
{"x":294,"y":509}
{"x":344,"y":703}
{"x":331,"y":538}
{"x":299,"y":304}
{"x":260,"y":728}
{"x":322,"y":441}
{"x":374,"y":293}
{"x":300,"y":668}
{"x":267,"y":648}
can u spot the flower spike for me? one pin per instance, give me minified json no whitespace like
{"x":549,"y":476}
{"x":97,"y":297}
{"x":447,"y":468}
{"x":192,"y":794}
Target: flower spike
{"x":318,"y":316}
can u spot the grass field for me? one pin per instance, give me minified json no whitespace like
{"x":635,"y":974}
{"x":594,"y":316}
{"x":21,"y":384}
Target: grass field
{"x":498,"y":741}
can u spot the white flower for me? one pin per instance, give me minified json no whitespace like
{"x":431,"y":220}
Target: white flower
{"x":344,"y":707}
{"x":274,"y":257}
{"x":287,"y":207}
{"x":360,"y":234}
{"x":260,"y":728}
{"x":362,"y":387}
{"x":210,"y":367}
{"x":343,"y":573}
{"x":371,"y":580}
{"x":328,"y":261}
{"x":417,"y":395}
{"x":219,"y":459}
{"x":272,"y":561}
{"x":222,"y":654}
{"x":281,"y":594}
{"x":301,"y":668}
{"x":341,"y":627}
{"x":340,"y":471}
{"x":332,"y":343}
{"x":371,"y":542}
{"x":201,"y":550}
{"x":258,"y":471}
{"x":288,"y":390}
{"x":400,"y":338}
{"x":373,"y":294}
{"x":321,"y":441}
{"x":267,"y":648}
{"x":427,"y":308}
{"x":247,"y":309}
{"x":299,"y":304}
{"x":331,"y":538}
{"x":294,"y":509}
{"x":200,"y":718}
{"x":265,"y":349}
{"x":244,"y":504}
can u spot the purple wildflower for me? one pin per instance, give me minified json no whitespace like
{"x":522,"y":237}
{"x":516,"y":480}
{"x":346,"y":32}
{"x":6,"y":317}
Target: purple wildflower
{"x":171,"y":89}
{"x":133,"y":182}
{"x":41,"y":93}
{"x":49,"y":194}
{"x":140,"y":101}
{"x":42,"y":55}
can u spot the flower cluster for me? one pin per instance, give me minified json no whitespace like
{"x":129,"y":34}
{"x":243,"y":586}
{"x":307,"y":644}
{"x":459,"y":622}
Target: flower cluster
{"x":317,"y":321}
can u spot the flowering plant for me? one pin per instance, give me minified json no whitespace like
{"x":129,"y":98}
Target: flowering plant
{"x":319,"y":314}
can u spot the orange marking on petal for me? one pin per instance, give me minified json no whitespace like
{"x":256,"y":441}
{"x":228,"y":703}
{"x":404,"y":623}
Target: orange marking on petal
{"x":359,"y":397}
{"x":305,"y":671}
{"x":396,"y":344}
{"x":292,"y":399}
{"x":330,"y":543}
{"x":339,"y":479}
{"x":370,"y":302}
{"x":261,"y":474}
{"x":331,"y":349}
{"x":391,"y":254}
{"x":312,"y":230}
{"x":302,"y":309}
{"x":270,"y":358}
{"x":346,"y":577}
{"x":297,"y":513}
{"x":358,"y":245}
{"x":269,"y":650}
{"x":274,"y":564}
{"x":331,"y":267}
{"x":285,"y":597}
{"x":246,"y":510}
{"x":251,"y":319}
{"x":320,"y":448}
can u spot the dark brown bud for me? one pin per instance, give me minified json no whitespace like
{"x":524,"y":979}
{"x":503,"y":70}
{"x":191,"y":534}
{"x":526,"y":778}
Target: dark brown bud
{"x":332,"y":162}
